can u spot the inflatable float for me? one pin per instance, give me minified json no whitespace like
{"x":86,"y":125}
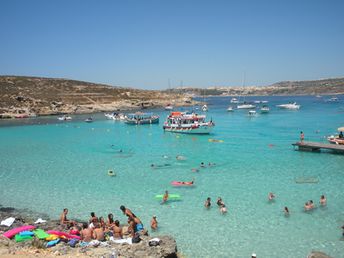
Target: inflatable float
{"x":63,"y":234}
{"x":180,"y":183}
{"x":170,"y":196}
{"x":11,"y":233}
{"x":214,"y":140}
{"x":111,"y":173}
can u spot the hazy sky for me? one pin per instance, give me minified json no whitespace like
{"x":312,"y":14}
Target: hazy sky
{"x":144,"y":43}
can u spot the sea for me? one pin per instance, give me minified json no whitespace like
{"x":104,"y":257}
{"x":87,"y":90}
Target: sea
{"x":47,"y":165}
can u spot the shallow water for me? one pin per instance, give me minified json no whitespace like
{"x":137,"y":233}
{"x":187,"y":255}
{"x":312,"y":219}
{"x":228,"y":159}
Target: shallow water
{"x":52,"y":165}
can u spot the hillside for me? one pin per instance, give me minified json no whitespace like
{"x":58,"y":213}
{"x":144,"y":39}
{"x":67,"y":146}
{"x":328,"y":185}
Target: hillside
{"x":324,"y":87}
{"x":22,"y":96}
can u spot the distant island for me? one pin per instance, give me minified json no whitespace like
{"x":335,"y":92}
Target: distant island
{"x":22,"y":96}
{"x":317,"y":87}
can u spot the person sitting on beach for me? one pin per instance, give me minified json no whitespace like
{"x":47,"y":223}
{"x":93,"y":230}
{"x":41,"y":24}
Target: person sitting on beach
{"x":117,"y":230}
{"x":219,"y":202}
{"x":154,"y":223}
{"x":86,"y":233}
{"x":98,"y":232}
{"x":286,"y":211}
{"x":93,"y":220}
{"x":110,"y":221}
{"x":223,"y":209}
{"x":131,"y":227}
{"x":207,"y":203}
{"x":165,"y":197}
{"x":102,"y":223}
{"x":64,"y":220}
{"x":323,"y":200}
{"x":271,"y":196}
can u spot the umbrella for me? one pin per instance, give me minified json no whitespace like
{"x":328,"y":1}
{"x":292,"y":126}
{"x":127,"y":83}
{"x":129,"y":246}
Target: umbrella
{"x":341,"y":129}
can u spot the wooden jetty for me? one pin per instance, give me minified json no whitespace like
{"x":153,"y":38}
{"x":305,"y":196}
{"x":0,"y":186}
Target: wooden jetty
{"x":317,"y":146}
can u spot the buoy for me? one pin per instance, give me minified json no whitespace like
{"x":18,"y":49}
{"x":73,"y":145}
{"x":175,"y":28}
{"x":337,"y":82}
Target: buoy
{"x":111,"y":173}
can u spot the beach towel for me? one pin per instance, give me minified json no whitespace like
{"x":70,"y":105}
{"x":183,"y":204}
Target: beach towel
{"x":40,"y":234}
{"x":8,"y":222}
{"x":122,"y":241}
{"x":26,"y":233}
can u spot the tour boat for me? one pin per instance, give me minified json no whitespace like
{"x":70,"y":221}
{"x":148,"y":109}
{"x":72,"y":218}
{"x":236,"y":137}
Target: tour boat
{"x":289,"y":106}
{"x":264,"y":109}
{"x":338,"y":139}
{"x":140,"y":118}
{"x":188,"y":123}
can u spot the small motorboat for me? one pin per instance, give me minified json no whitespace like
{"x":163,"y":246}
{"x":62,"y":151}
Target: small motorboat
{"x":252,"y":113}
{"x":293,"y":106}
{"x":230,"y":109}
{"x":204,"y":108}
{"x":234,"y":101}
{"x":64,"y":118}
{"x":264,"y":109}
{"x":89,"y":120}
{"x":169,"y":107}
{"x":246,"y":106}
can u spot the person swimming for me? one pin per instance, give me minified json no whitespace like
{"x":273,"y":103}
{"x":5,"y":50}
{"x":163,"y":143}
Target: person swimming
{"x":207,"y":203}
{"x":223,"y":209}
{"x":202,"y":165}
{"x":286,"y":211}
{"x":323,"y":200}
{"x":219,"y":202}
{"x":271,"y":196}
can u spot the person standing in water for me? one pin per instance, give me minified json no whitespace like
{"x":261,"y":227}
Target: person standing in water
{"x":323,"y":200}
{"x":207,"y":203}
{"x":154,"y":223}
{"x":165,"y":197}
{"x":302,"y":136}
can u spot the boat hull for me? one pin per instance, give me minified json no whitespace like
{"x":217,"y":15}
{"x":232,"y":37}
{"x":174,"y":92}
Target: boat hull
{"x":189,"y":130}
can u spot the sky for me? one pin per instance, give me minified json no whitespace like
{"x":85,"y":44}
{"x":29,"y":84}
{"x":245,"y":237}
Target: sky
{"x":148,"y":43}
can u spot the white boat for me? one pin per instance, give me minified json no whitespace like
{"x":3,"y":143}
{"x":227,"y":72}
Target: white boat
{"x":64,"y":118}
{"x":234,"y":101}
{"x":230,"y":109}
{"x":264,"y":109}
{"x":169,"y":107}
{"x":89,"y":120}
{"x":333,"y":99}
{"x":204,"y":108}
{"x":260,"y":101}
{"x":188,"y":123}
{"x":246,"y":106}
{"x":289,"y":106}
{"x":252,"y":113}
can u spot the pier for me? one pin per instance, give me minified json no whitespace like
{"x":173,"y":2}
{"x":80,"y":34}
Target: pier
{"x":317,"y":146}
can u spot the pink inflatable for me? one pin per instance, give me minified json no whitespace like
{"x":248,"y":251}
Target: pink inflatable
{"x":178,"y":183}
{"x":15,"y":231}
{"x":59,"y":233}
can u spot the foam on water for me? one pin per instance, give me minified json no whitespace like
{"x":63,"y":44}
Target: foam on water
{"x":49,"y":167}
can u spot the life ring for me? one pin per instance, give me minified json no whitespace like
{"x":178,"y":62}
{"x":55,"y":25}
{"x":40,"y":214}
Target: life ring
{"x":111,"y":173}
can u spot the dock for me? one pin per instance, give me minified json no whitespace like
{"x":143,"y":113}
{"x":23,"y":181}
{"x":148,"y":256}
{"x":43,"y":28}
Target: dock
{"x":317,"y":146}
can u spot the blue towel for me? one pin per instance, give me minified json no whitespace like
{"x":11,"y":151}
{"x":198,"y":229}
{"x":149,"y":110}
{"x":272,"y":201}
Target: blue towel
{"x":52,"y":243}
{"x":26,"y":233}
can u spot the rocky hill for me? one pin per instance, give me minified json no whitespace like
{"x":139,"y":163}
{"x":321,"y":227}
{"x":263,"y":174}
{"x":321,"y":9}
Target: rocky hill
{"x":26,"y":96}
{"x":324,"y":87}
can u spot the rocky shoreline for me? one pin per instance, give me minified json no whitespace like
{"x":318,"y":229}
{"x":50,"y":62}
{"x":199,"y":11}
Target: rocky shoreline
{"x":37,"y":248}
{"x":23,"y":97}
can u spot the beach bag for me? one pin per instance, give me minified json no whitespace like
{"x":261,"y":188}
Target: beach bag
{"x":73,"y":242}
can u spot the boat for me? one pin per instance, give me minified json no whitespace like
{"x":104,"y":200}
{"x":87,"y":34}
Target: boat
{"x":64,"y":118}
{"x":230,"y":109}
{"x":140,"y":118}
{"x":289,"y":106}
{"x":260,"y":101}
{"x":264,"y":109}
{"x":169,"y":107}
{"x":204,"y":108}
{"x":337,"y":139}
{"x":89,"y":120}
{"x":246,"y":106}
{"x":234,"y":101}
{"x":115,"y":116}
{"x":188,"y":123}
{"x":333,"y":99}
{"x":252,"y":113}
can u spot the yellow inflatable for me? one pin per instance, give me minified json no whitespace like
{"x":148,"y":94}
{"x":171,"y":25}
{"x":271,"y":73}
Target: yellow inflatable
{"x":214,"y":140}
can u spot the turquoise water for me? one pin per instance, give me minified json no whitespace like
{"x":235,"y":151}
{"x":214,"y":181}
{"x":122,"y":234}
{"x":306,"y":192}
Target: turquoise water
{"x":53,"y":165}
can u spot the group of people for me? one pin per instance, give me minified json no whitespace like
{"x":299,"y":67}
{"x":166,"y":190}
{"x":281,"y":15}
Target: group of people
{"x":98,"y":229}
{"x":220,"y":204}
{"x":307,"y":207}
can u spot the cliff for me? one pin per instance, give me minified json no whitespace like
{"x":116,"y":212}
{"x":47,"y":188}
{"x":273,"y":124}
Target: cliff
{"x":26,"y":96}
